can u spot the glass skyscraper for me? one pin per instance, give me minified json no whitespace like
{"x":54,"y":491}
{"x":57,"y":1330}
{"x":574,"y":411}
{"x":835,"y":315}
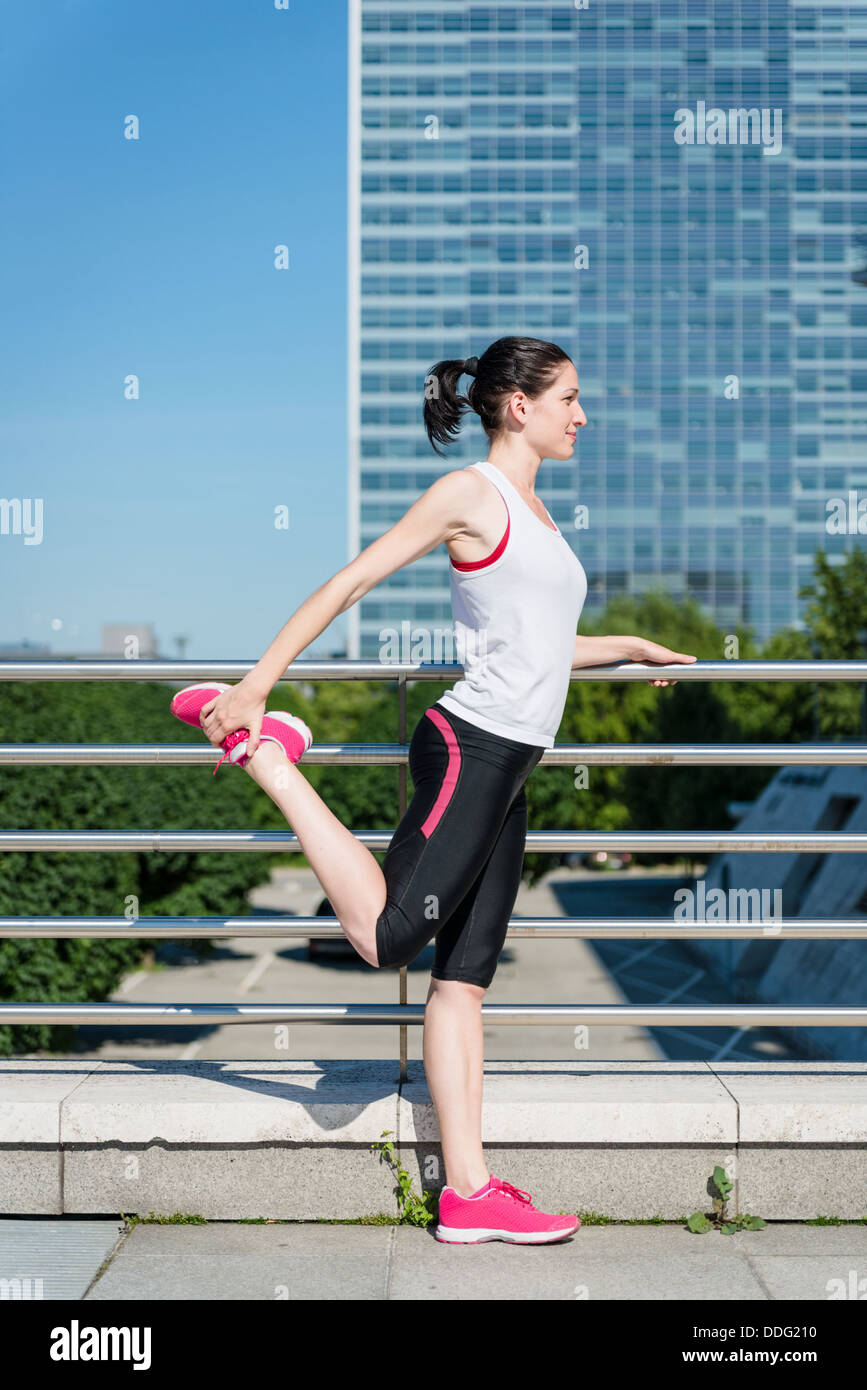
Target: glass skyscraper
{"x":673,"y":191}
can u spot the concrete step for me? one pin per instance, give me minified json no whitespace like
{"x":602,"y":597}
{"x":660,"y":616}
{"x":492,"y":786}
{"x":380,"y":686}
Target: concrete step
{"x":292,"y":1139}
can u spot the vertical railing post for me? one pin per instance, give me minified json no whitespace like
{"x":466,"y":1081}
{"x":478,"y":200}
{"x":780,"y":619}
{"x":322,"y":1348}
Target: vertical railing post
{"x":401,"y":807}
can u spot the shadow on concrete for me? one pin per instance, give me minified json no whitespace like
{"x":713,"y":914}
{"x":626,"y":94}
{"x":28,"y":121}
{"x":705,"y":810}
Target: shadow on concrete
{"x":663,"y":971}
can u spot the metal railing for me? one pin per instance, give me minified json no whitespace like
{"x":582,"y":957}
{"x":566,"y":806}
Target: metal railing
{"x":403,"y":1014}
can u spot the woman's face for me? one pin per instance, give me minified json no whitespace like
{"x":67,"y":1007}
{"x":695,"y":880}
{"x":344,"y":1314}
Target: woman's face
{"x":551,"y":421}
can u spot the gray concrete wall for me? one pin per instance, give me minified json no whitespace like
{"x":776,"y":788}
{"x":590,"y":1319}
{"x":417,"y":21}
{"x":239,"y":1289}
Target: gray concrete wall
{"x":227,"y":1140}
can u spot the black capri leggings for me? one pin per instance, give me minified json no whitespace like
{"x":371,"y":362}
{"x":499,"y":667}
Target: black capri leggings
{"x":453,"y":867}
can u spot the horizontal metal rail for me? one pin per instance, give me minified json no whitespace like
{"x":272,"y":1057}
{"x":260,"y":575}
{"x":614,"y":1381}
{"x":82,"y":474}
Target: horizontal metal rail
{"x":400,"y":1015}
{"x":391,"y":754}
{"x":644,"y":1015}
{"x":544,"y":841}
{"x":347,"y":670}
{"x":329,"y":928}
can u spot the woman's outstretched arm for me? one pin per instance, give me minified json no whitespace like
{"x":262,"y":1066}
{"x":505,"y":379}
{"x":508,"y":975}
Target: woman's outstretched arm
{"x":437,"y":515}
{"x":598,"y":651}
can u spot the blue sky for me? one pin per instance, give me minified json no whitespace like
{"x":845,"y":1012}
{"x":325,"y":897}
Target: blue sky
{"x":155,"y":257}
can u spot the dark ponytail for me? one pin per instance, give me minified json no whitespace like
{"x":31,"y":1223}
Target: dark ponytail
{"x":508,"y":365}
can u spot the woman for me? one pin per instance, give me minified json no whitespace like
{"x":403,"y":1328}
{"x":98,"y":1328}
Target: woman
{"x":453,"y":866}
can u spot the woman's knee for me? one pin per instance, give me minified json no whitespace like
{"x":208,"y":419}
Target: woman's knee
{"x":459,"y":992}
{"x":395,"y":956}
{"x":398,"y":939}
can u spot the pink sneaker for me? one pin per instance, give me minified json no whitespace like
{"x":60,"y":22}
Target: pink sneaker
{"x":287,"y":730}
{"x":498,"y":1211}
{"x":188,"y":703}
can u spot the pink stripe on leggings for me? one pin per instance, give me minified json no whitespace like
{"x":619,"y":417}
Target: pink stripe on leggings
{"x":453,"y":767}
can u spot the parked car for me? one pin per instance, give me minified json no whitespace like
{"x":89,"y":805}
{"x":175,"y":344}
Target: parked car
{"x":606,"y":859}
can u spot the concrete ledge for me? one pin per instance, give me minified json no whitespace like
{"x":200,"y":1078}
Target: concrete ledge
{"x":292,"y":1139}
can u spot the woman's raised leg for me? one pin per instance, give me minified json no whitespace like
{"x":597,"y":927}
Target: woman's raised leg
{"x":350,"y":875}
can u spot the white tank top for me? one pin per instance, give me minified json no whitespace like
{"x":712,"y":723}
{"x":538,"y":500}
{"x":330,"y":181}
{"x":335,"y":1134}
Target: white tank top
{"x":515,"y":617}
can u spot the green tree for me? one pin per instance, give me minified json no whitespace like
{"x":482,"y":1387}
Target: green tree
{"x":836,"y":626}
{"x":77,"y":883}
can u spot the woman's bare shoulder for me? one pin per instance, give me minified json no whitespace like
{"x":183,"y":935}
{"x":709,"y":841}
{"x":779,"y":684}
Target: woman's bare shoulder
{"x":459,"y":486}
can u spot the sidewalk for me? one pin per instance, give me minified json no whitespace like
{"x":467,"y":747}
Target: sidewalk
{"x":220,"y":1261}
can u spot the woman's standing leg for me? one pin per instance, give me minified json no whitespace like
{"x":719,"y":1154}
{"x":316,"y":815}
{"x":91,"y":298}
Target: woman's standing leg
{"x":453,"y":1050}
{"x":469,"y":944}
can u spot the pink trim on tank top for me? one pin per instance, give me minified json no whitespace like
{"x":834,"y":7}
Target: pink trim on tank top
{"x":494,"y":555}
{"x":450,"y":779}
